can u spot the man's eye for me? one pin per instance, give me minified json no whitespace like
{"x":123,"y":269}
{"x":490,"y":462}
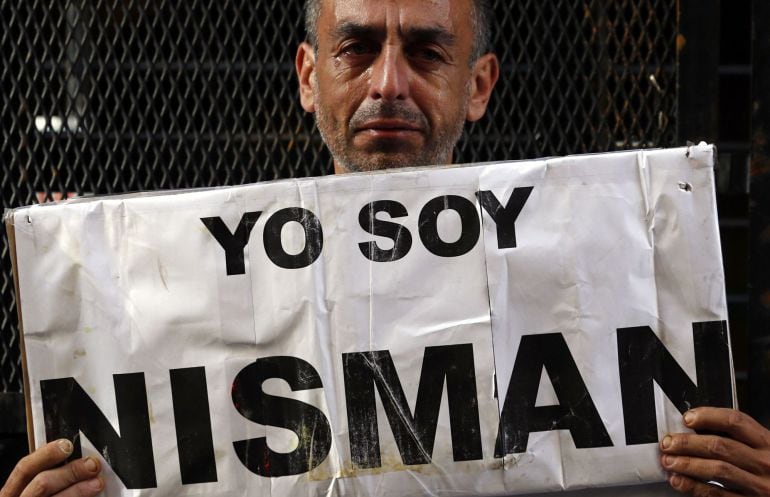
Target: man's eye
{"x":357,"y":49}
{"x":428,"y":55}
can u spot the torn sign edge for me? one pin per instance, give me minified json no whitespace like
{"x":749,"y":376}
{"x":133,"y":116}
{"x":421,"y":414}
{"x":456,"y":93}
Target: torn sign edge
{"x":10,"y":229}
{"x":704,"y":148}
{"x":700,"y":149}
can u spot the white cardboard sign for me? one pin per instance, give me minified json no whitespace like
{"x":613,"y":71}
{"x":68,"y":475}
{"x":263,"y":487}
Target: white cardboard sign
{"x":496,"y":329}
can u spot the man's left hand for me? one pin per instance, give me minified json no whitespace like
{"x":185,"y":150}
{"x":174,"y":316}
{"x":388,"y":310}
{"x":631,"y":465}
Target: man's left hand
{"x":735,"y":453}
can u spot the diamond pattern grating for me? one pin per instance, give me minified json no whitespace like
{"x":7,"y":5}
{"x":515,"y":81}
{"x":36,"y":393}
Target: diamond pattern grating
{"x":108,"y":96}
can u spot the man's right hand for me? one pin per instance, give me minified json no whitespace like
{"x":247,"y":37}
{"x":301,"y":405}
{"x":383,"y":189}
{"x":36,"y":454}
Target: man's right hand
{"x":41,"y":474}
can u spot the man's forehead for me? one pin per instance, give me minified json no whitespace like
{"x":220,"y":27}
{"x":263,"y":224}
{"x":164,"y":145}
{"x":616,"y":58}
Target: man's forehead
{"x":400,"y":14}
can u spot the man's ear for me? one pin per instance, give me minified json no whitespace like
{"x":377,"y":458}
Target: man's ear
{"x":304,"y":64}
{"x":484,"y":75}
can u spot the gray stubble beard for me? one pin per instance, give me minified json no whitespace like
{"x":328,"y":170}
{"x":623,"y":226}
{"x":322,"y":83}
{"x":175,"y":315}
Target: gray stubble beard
{"x":438,"y":151}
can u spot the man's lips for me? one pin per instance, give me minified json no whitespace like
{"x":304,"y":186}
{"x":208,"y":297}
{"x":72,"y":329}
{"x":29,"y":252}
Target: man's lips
{"x":388,"y":126}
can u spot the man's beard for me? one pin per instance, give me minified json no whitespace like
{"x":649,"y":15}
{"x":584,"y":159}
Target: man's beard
{"x":437,"y":149}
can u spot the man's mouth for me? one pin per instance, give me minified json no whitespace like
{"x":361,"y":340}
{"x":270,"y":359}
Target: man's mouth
{"x":388,"y":127}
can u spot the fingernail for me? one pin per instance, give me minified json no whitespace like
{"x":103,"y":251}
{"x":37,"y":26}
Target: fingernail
{"x":689,"y":418}
{"x":666,"y":442}
{"x":90,"y":464}
{"x":675,"y":480}
{"x":65,"y":446}
{"x":96,"y":484}
{"x":668,"y":460}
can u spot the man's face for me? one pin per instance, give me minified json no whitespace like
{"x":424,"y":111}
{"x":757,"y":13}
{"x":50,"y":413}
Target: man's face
{"x":391,"y":82}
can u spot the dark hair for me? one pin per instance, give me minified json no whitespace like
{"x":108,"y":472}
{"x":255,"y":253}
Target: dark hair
{"x":482,"y":19}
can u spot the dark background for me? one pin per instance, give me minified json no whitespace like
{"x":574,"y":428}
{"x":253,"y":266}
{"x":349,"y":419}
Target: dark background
{"x":122,"y":95}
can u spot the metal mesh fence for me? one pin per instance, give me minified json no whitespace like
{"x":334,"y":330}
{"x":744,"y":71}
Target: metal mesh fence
{"x":122,"y":95}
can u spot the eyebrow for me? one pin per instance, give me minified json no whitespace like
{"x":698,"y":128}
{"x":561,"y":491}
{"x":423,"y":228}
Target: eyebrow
{"x":416,"y":34}
{"x":436,"y":34}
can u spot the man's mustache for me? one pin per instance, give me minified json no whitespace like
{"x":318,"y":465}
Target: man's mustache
{"x":379,"y":109}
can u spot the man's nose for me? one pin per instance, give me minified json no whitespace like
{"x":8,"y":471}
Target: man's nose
{"x":390,"y":75}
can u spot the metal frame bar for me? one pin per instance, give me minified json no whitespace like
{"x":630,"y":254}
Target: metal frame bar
{"x":759,"y":195}
{"x":698,"y":76}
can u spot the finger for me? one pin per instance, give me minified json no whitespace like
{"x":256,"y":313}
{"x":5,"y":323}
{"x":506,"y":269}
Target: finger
{"x":714,"y":447}
{"x":686,"y":485}
{"x":738,"y":425}
{"x":47,"y":456}
{"x":88,"y":488}
{"x":708,"y":470}
{"x":55,"y":480}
